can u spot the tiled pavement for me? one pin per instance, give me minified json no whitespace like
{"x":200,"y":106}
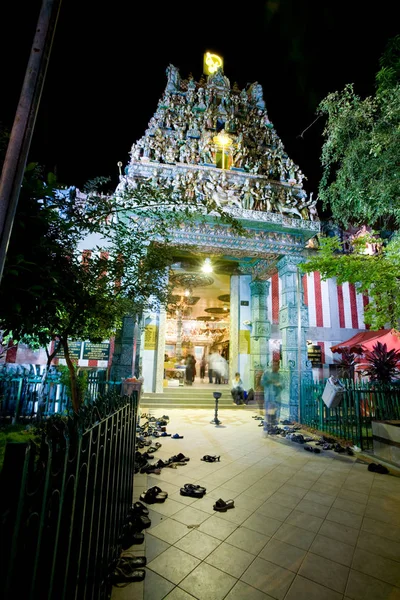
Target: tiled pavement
{"x":304,"y":527}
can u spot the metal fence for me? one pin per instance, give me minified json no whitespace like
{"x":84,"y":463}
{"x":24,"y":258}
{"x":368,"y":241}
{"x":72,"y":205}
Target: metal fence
{"x":362,"y":403}
{"x":22,"y":397}
{"x":63,"y":506}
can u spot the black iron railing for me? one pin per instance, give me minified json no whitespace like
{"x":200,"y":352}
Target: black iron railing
{"x":24,"y":397}
{"x":63,"y":505}
{"x":362,"y":403}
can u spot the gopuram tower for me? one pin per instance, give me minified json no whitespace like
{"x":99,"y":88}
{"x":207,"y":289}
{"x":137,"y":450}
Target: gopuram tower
{"x":209,"y":140}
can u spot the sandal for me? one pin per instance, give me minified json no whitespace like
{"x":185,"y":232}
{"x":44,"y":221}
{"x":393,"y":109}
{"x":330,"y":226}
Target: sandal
{"x":130,"y":538}
{"x":138,"y":509}
{"x":181,"y":456}
{"x":131,"y":561}
{"x":192,"y":486}
{"x":124,"y":574}
{"x":223,"y":506}
{"x":153,"y":495}
{"x":191,"y":492}
{"x":176,"y":436}
{"x":208,"y":458}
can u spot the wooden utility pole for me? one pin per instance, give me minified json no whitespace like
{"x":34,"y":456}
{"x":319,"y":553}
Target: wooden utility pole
{"x":24,"y":122}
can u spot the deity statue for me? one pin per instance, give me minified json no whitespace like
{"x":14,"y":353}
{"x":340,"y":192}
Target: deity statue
{"x":173,"y":79}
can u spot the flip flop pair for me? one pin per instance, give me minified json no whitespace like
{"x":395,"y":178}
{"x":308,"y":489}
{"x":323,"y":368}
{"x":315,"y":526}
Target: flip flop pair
{"x":222,"y":505}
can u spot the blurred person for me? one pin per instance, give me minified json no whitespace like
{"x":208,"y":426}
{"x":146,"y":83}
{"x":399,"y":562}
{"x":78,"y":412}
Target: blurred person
{"x":271,"y":381}
{"x":237,"y":390}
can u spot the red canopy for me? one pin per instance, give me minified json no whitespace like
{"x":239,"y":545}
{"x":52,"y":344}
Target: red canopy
{"x":356,"y":342}
{"x":367,"y":340}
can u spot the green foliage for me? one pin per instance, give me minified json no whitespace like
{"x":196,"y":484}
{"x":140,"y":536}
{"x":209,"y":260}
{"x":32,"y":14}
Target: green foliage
{"x":16,"y":434}
{"x":360,"y":185}
{"x":360,"y":155}
{"x":376,"y":276}
{"x":347,"y":364}
{"x":50,"y":292}
{"x":382,"y":364}
{"x":81,"y":379}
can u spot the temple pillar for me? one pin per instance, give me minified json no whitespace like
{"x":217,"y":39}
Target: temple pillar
{"x":122,"y":365}
{"x":240,"y":326}
{"x":260,"y":334}
{"x":293,"y":323}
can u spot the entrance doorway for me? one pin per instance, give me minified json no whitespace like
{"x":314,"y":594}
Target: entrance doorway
{"x":197,"y":321}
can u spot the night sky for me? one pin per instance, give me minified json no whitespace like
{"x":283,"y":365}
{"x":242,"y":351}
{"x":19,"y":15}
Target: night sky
{"x":108,"y":62}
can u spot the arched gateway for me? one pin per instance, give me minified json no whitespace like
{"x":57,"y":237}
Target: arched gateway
{"x":208,"y":138}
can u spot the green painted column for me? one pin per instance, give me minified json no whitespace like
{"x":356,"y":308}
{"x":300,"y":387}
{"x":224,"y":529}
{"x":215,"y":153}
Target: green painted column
{"x":260,"y":334}
{"x":293,"y":324}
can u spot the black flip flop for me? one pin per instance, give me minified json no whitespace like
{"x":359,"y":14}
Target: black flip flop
{"x":191,"y":492}
{"x":222,"y":506}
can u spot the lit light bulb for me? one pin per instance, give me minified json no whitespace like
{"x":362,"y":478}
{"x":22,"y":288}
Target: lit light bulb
{"x":207,"y":266}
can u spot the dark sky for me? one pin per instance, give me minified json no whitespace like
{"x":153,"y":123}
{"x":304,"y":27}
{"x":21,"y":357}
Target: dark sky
{"x":108,"y":62}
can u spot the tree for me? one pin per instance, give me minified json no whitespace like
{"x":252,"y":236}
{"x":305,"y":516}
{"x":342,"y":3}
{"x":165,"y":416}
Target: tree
{"x":360,"y":182}
{"x":360,"y":155}
{"x":51,"y":292}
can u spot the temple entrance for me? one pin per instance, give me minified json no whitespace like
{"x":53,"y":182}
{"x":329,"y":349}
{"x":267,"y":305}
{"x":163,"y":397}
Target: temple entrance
{"x":198,"y":321}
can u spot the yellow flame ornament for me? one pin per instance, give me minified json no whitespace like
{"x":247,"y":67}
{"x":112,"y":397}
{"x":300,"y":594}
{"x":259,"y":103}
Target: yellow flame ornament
{"x":212,"y":62}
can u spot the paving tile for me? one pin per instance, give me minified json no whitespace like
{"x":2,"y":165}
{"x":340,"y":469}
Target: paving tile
{"x":379,"y":545}
{"x":218,"y":528}
{"x":295,"y":535}
{"x":377,"y":566}
{"x":230,"y":559}
{"x":190,"y":516}
{"x":243,"y":591}
{"x":301,"y":481}
{"x":318,"y":498}
{"x":248,"y":502}
{"x":304,"y":589}
{"x":248,"y":540}
{"x":314,"y":509}
{"x":332,"y":549}
{"x":305,"y":521}
{"x":263,"y":524}
{"x":198,"y":544}
{"x":293,"y":490}
{"x":155,"y":587}
{"x":353,"y":496}
{"x":323,"y":488}
{"x":339,"y":532}
{"x":268,"y":578}
{"x":178,"y":594}
{"x":283,"y":500}
{"x":235,"y":515}
{"x":274,"y":510}
{"x":282,"y":554}
{"x":154,"y":546}
{"x":364,"y":587}
{"x":387,"y":516}
{"x":383,"y":529}
{"x":325,"y":572}
{"x":173,"y":564}
{"x":349,"y":506}
{"x":208,"y":583}
{"x":167,"y":508}
{"x":170,"y":531}
{"x":344,"y":518}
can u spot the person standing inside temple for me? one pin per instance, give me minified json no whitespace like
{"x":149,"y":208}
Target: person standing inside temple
{"x":189,"y":362}
{"x":203,"y":364}
{"x":271,"y":381}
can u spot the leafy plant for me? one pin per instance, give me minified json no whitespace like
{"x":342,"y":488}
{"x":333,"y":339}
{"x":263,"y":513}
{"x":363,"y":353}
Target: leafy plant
{"x":382,"y":364}
{"x":347,"y":364}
